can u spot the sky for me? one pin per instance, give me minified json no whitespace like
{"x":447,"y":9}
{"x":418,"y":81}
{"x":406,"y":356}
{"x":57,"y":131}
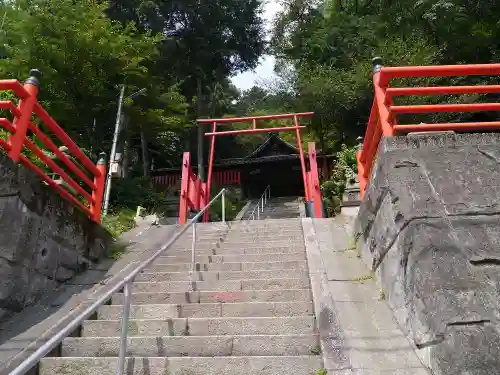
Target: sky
{"x":264,"y":70}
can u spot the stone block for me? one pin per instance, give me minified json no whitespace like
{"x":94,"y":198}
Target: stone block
{"x":429,"y":228}
{"x":45,"y":240}
{"x":21,"y":286}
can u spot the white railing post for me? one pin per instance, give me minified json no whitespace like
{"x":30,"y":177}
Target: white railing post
{"x":193,"y":249}
{"x":223,"y":207}
{"x":127,"y":296}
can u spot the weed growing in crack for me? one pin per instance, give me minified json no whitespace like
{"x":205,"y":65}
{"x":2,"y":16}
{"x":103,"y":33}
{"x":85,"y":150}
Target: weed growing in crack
{"x":316,"y":350}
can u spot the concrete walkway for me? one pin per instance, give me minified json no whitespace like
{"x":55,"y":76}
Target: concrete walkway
{"x":359,"y":334}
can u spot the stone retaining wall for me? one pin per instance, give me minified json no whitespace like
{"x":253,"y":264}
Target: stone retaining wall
{"x":430,"y":228}
{"x":44,"y":240}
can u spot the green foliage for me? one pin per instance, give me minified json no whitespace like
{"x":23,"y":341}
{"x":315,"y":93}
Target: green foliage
{"x":183,"y":53}
{"x":233,"y":204}
{"x":321,"y":372}
{"x":343,"y":170}
{"x":327,"y":46}
{"x":132,"y":192}
{"x":118,"y":222}
{"x":116,"y":250}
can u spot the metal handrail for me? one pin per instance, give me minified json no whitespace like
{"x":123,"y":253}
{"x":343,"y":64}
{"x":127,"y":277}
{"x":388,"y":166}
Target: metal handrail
{"x":126,"y":284}
{"x":266,"y":195}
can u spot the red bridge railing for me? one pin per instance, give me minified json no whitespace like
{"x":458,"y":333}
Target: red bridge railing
{"x":383,"y":121}
{"x":86,"y":190}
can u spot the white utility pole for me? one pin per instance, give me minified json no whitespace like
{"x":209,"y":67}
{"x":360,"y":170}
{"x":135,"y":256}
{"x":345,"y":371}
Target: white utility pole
{"x":113,"y":151}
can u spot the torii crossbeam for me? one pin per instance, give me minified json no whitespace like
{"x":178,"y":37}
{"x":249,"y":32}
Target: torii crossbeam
{"x":254,"y":122}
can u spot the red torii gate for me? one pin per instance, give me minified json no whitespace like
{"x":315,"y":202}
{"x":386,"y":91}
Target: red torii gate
{"x":191,"y":187}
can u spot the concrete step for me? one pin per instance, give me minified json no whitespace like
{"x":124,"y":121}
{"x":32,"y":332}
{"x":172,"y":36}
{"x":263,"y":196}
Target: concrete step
{"x":220,"y":275}
{"x":250,"y":266}
{"x":192,"y":346}
{"x":286,"y":295}
{"x":259,"y":234}
{"x":255,"y":242}
{"x":203,"y":310}
{"x":241,"y":244}
{"x":263,"y":229}
{"x":262,"y":234}
{"x":251,"y":258}
{"x":219,"y":285}
{"x":296,"y":365}
{"x":289,"y":325}
{"x":234,"y":250}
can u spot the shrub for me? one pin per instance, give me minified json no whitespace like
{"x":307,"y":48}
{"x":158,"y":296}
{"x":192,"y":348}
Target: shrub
{"x":233,"y":204}
{"x":118,"y":222}
{"x":333,"y":189}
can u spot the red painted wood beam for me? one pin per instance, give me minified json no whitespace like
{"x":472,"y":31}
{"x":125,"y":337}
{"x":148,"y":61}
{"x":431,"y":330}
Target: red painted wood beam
{"x":253,"y":131}
{"x":233,"y":120}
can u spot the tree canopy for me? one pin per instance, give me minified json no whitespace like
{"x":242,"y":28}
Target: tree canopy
{"x":186,"y":52}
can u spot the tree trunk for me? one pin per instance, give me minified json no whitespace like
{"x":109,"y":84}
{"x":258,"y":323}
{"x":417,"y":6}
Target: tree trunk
{"x":125,"y":159}
{"x":201,"y":172}
{"x":145,"y":160}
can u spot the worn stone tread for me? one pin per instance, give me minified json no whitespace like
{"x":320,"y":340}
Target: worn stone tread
{"x":201,"y":310}
{"x":296,"y":325}
{"x":284,"y":295}
{"x":296,"y":365}
{"x":193,"y":346}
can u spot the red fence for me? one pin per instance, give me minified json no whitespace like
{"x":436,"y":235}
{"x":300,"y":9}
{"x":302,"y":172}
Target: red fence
{"x":193,"y":191}
{"x":84,"y":192}
{"x":171,"y":179}
{"x":221,"y":178}
{"x":383,"y":119}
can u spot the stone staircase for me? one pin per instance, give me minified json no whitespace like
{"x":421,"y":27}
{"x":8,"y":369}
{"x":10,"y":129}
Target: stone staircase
{"x":278,"y":208}
{"x":246,"y":310}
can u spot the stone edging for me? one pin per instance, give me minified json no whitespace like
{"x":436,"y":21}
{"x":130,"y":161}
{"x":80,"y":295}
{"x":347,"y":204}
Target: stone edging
{"x":330,"y":332}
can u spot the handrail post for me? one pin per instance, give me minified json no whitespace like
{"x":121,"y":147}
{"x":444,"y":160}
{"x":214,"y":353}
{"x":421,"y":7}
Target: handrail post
{"x":127,"y":292}
{"x":25,"y":107}
{"x":193,"y":249}
{"x":224,"y":206}
{"x":98,"y":192}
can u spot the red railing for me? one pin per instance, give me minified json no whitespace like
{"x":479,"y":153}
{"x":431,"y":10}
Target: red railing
{"x":85,"y":192}
{"x":383,"y":121}
{"x":193,"y":191}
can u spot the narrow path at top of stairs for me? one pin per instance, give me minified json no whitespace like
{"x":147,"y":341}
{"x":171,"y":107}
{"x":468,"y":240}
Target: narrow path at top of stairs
{"x":246,"y":310}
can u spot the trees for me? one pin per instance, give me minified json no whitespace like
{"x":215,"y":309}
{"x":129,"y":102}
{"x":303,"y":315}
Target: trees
{"x":183,"y":53}
{"x":83,"y":56}
{"x":203,"y":42}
